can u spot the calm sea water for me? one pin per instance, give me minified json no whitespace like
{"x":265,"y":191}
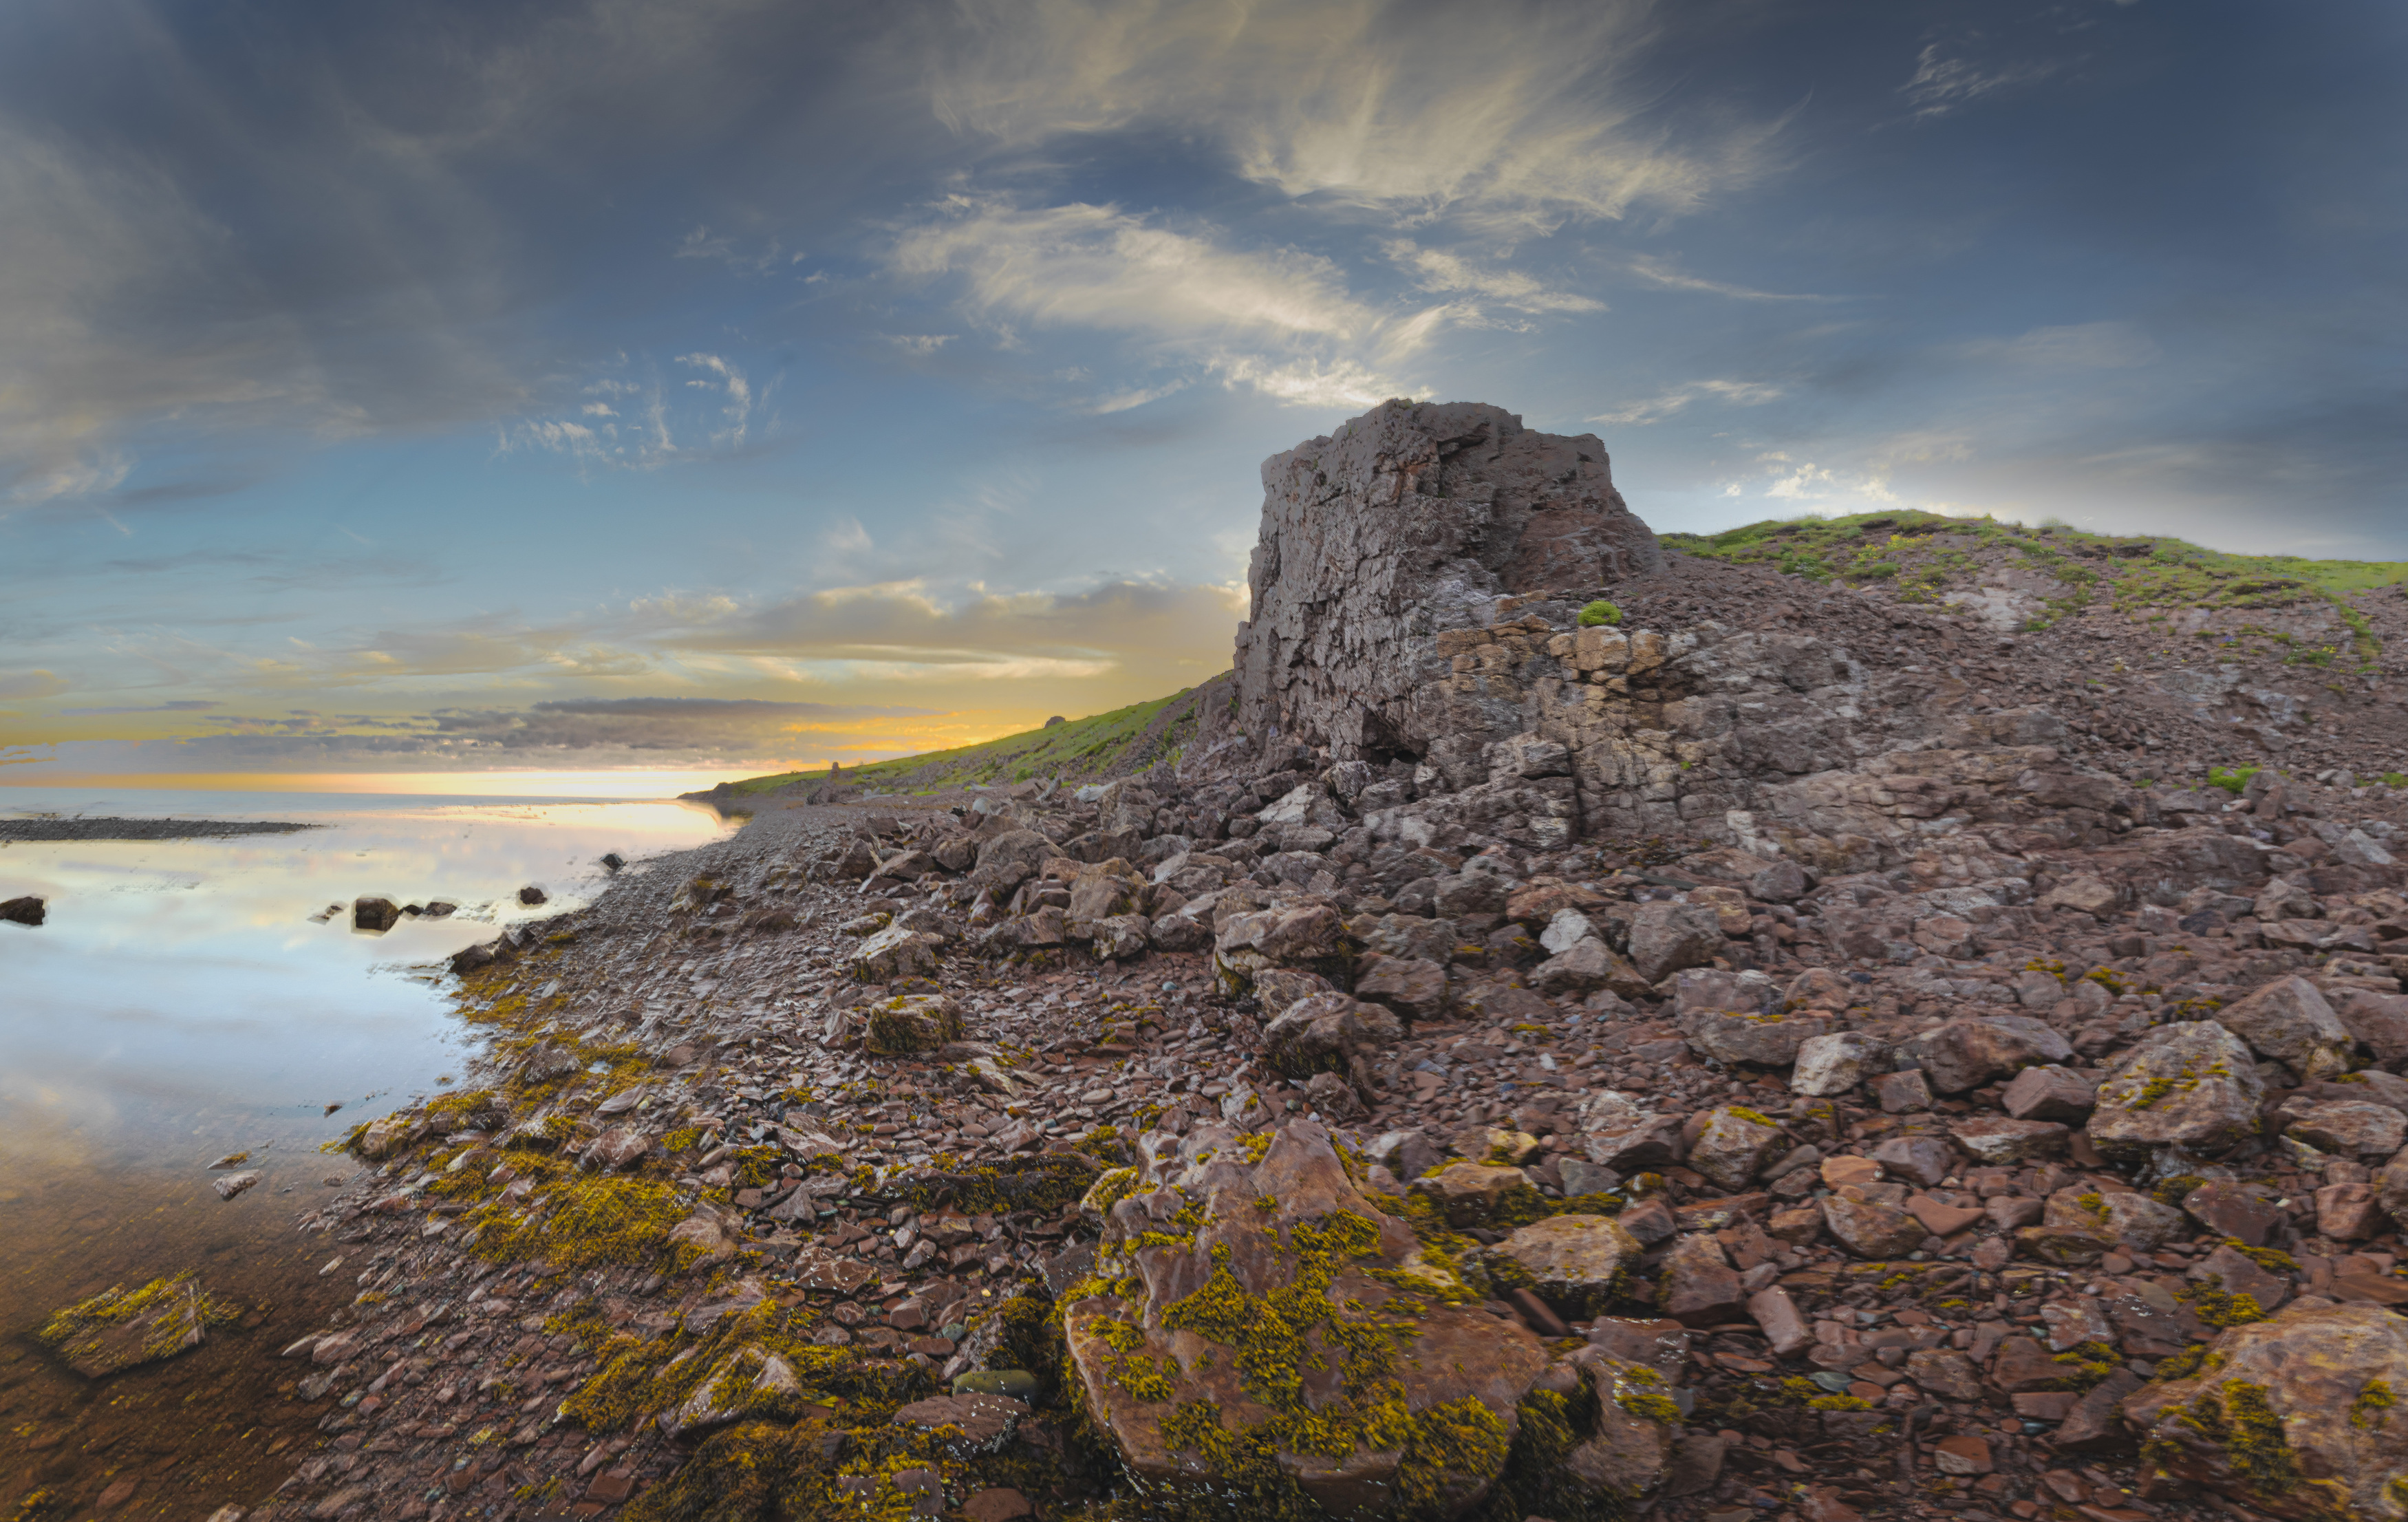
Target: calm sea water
{"x":182,"y":1004}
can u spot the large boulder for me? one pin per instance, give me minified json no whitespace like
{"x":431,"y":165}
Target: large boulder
{"x":1411,"y":519}
{"x":896,"y":952}
{"x":1469,"y":1194}
{"x":1250,"y":942}
{"x":1735,"y":1142}
{"x":2351,"y":1127}
{"x":1766,"y":1040}
{"x":1576,"y":1263}
{"x":1008,"y":859}
{"x":1331,"y":1033}
{"x":2191,"y":1084}
{"x":913,"y":1024}
{"x":2292,"y":1417}
{"x":2289,"y":1022}
{"x":1667,"y":937}
{"x":1257,"y":1302}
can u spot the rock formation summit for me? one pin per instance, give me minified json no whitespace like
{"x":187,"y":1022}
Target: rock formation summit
{"x":1413,"y":518}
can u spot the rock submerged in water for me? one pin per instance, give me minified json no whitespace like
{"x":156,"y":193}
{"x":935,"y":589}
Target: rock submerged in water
{"x":115,"y":1329}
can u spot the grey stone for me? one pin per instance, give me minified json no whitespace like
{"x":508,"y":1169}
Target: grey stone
{"x":2051,"y":1093}
{"x":1665,"y":937}
{"x":1920,"y":1160}
{"x":1999,"y":1139}
{"x":2350,"y":1126}
{"x":1576,"y":1263}
{"x":1733,"y":1145}
{"x":1833,"y":1064}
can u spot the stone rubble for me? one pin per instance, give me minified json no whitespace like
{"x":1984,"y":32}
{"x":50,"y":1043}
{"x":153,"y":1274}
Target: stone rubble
{"x":1813,"y":1091}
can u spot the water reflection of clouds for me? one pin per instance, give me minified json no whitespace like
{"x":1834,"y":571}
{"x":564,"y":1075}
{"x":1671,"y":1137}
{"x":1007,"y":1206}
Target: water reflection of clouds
{"x":182,"y":984}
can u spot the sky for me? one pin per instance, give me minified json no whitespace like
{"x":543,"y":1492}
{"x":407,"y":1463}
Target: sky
{"x":717,"y":384}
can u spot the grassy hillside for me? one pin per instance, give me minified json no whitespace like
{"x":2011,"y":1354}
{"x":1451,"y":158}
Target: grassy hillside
{"x":1106,"y":744}
{"x":1919,"y":556}
{"x":1923,"y":555}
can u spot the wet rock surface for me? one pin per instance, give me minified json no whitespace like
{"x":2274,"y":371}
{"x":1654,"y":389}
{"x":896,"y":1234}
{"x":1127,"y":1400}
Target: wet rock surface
{"x":119,"y":1328}
{"x":1765,"y":1056}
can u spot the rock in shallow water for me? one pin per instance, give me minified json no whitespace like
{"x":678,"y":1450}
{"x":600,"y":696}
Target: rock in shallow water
{"x":115,"y":1329}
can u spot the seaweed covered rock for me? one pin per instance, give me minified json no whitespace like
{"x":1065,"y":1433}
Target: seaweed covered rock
{"x":2192,"y":1086}
{"x":2293,"y":1417}
{"x":1472,"y":1194}
{"x":1258,"y":1329}
{"x":913,"y":1023}
{"x":896,"y":952}
{"x":116,"y":1330}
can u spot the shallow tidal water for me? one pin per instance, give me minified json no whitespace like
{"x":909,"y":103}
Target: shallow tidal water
{"x":179,"y":1005}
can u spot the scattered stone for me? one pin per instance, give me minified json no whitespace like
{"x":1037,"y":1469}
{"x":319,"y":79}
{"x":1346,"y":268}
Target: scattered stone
{"x":2288,"y":1021}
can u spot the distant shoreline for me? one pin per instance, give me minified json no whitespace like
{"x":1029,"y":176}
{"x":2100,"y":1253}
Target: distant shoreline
{"x":140,"y":829}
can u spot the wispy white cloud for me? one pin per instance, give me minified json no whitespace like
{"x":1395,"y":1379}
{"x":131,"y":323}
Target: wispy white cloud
{"x":720,"y":248}
{"x":1124,"y":401}
{"x":919,"y":343}
{"x":1276,"y":320}
{"x":1943,"y":83}
{"x":1657,"y":408}
{"x":2082,"y":346}
{"x":1663,"y":272}
{"x":1098,"y":266}
{"x":639,"y":428}
{"x":1445,"y":271}
{"x":737,"y":408}
{"x":1410,"y":109}
{"x":1306,"y":382}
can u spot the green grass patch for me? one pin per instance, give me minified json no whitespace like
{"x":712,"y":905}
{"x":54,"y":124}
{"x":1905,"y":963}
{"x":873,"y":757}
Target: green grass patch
{"x":1080,"y":748}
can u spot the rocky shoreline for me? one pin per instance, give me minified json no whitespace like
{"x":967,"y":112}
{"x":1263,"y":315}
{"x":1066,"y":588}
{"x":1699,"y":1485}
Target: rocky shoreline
{"x":1655,"y":1037}
{"x":141,"y":829}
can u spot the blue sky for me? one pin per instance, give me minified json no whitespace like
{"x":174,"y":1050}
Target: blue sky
{"x":693,"y":384}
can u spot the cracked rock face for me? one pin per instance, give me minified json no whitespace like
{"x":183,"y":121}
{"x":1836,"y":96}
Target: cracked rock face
{"x":1413,"y":519}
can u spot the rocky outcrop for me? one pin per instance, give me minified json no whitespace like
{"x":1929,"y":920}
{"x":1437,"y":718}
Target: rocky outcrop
{"x":1410,"y":520}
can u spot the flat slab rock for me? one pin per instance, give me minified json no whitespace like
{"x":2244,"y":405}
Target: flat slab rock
{"x":117,"y":1330}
